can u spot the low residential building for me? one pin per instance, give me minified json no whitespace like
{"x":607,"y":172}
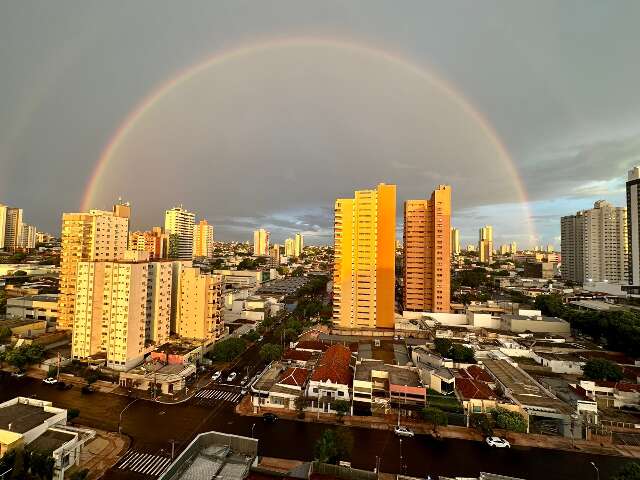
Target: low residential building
{"x":37,"y":307}
{"x":524,"y":391}
{"x":166,"y":379}
{"x":214,"y":455}
{"x":178,"y":353}
{"x":331,"y":379}
{"x":612,"y":394}
{"x":279,"y":386}
{"x":41,"y":426}
{"x":535,"y":324}
{"x":23,"y":327}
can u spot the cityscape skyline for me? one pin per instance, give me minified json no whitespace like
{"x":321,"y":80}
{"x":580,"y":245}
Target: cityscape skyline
{"x":323,"y":56}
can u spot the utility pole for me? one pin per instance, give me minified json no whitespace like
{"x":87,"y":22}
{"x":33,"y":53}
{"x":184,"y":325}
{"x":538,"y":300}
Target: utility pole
{"x":173,"y":448}
{"x":58,"y":364}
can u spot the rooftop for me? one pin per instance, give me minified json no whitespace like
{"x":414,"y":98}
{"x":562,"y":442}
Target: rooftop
{"x":469,"y":388}
{"x":22,"y":417}
{"x":51,"y":440}
{"x":334,"y":366}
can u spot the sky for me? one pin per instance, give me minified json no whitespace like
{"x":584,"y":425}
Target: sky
{"x":260,"y":114}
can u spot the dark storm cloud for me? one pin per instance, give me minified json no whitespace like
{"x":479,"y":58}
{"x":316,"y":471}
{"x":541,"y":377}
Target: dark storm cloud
{"x":557,"y":80}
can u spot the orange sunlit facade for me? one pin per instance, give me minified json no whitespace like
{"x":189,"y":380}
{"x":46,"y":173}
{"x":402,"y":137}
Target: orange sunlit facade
{"x":364,"y":270}
{"x":427,"y":252}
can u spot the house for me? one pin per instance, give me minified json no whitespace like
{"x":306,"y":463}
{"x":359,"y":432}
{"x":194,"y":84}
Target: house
{"x":612,"y":394}
{"x":43,"y":427}
{"x":279,"y":386}
{"x":331,"y":379}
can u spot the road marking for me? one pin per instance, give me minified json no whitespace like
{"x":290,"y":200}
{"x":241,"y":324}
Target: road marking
{"x":144,"y":463}
{"x":203,"y":396}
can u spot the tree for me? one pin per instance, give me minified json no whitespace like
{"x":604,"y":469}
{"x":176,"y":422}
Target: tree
{"x":333,"y":445}
{"x":341,"y":407}
{"x":228,"y":349}
{"x":482,"y":423}
{"x":435,"y":416}
{"x":72,"y":414}
{"x":442,"y":346}
{"x":91,"y":376}
{"x":301,"y":403}
{"x":270,"y":352}
{"x":19,"y":273}
{"x":630,"y":471}
{"x":5,"y":332}
{"x":460,"y":353}
{"x":41,"y":465}
{"x":251,"y":336}
{"x":508,"y":420}
{"x":602,"y":369}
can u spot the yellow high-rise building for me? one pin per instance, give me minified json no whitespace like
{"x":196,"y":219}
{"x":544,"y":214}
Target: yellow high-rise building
{"x":200,"y":308}
{"x":97,"y":235}
{"x":364,"y":265}
{"x":289,"y":247}
{"x":202,"y":239}
{"x":122,"y":309}
{"x":427,"y":252}
{"x":155,"y":241}
{"x":485,"y":244}
{"x":261,"y":243}
{"x":298,"y":245}
{"x":455,"y":241}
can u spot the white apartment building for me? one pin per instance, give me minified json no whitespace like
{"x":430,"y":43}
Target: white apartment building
{"x":12,"y":229}
{"x":633,"y":230}
{"x":3,"y":224}
{"x":594,"y":245}
{"x":28,"y":235}
{"x":178,"y":224}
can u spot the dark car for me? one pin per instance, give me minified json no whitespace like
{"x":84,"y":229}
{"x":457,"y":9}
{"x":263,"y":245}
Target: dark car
{"x":63,"y":386}
{"x":269,"y":417}
{"x":87,"y":389}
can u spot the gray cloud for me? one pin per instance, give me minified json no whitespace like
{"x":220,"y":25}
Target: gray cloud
{"x":275,"y":138}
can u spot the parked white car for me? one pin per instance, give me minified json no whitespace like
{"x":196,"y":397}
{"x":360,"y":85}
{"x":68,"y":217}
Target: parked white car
{"x":232,"y":376}
{"x":497,"y":442}
{"x":403,"y":431}
{"x":216,"y":376}
{"x":50,"y":381}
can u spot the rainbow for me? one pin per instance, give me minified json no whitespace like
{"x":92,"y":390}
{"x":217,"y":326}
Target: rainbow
{"x":132,"y":119}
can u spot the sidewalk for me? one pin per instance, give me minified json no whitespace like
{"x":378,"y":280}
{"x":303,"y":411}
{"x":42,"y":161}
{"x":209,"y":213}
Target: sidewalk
{"x":462,"y":433}
{"x":101,"y":453}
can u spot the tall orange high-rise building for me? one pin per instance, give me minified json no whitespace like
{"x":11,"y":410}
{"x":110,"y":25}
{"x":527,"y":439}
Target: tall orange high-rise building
{"x":364,"y":269}
{"x":427,"y":252}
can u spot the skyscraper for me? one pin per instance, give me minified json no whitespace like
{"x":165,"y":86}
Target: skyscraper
{"x":261,"y":243}
{"x":3,"y":224}
{"x":27,"y":237}
{"x":200,"y":316}
{"x":364,"y":265}
{"x":455,"y":241}
{"x":97,"y":235}
{"x":633,"y":230}
{"x":572,"y":248}
{"x":289,"y":247}
{"x":13,"y":229}
{"x":298,"y":245}
{"x":427,"y":252}
{"x":594,"y":244}
{"x":202,"y":240}
{"x":178,"y":225}
{"x":274,"y":253}
{"x":154,"y":241}
{"x":485,"y":244}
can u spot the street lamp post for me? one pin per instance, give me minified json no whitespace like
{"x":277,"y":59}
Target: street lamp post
{"x":400,"y":455}
{"x":252,"y":428}
{"x":597,"y":470}
{"x":123,"y":410}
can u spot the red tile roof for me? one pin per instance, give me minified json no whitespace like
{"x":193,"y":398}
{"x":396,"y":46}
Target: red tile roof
{"x":620,"y":386}
{"x":312,"y":345}
{"x":479,"y":373}
{"x":474,"y":389}
{"x":302,"y":355}
{"x":294,"y":376}
{"x":334,"y":366}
